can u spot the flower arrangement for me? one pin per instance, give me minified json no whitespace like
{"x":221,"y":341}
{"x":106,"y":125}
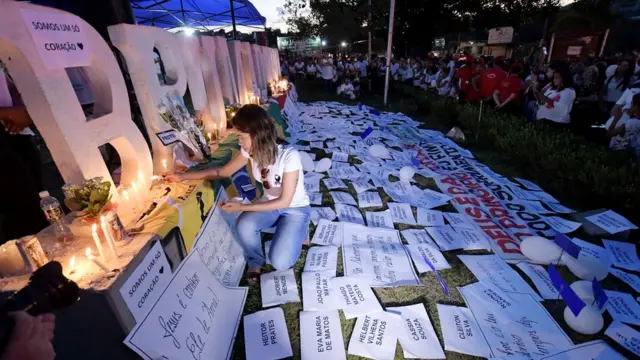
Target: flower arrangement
{"x":90,"y":197}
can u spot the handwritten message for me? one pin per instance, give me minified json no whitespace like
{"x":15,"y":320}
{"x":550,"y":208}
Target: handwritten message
{"x":430,"y":217}
{"x":624,"y":335}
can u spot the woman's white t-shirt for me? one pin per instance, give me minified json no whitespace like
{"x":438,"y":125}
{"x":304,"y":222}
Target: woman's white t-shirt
{"x":287,"y":160}
{"x":311,"y":69}
{"x":561,"y":108}
{"x":327,"y":71}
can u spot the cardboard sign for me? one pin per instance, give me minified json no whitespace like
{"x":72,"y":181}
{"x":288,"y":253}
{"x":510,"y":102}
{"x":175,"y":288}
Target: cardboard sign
{"x":278,"y":287}
{"x":540,"y":278}
{"x":401,"y":213}
{"x":595,"y":350}
{"x":369,"y":199}
{"x":59,"y":38}
{"x":446,"y":238}
{"x":328,"y":233}
{"x":623,"y":307}
{"x":321,"y":258}
{"x":624,"y":335}
{"x":375,"y":336}
{"x":381,"y":219}
{"x":419,"y":252}
{"x":321,"y":336}
{"x":415,"y":236}
{"x":349,"y":214}
{"x":168,"y":137}
{"x":195,"y":317}
{"x":143,"y":288}
{"x":419,"y":339}
{"x":622,"y":254}
{"x":266,"y":336}
{"x":317,"y":293}
{"x":430,"y":217}
{"x":353,"y":295}
{"x":461,"y":332}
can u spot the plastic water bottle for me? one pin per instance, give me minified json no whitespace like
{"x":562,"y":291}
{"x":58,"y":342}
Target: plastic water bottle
{"x":52,"y":210}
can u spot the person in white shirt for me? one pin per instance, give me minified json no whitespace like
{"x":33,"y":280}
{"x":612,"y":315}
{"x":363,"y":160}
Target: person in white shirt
{"x":364,"y":65}
{"x":285,"y":203}
{"x":557,"y":101}
{"x":311,"y":71}
{"x":626,"y":134}
{"x":300,"y":68}
{"x":327,"y":73}
{"x":346,"y":89}
{"x":618,"y":112}
{"x":395,"y":69}
{"x":616,"y":84}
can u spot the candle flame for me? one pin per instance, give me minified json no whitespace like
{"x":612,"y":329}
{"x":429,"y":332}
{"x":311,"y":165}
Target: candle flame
{"x":164,"y":163}
{"x":125,"y":193}
{"x":215,"y":126}
{"x":88,"y":252}
{"x":233,"y":114}
{"x":94,"y":227}
{"x":102,"y":219}
{"x":209,"y":134}
{"x":72,"y":263}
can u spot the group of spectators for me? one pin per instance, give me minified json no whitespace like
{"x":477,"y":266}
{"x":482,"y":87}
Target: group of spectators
{"x":594,"y":97}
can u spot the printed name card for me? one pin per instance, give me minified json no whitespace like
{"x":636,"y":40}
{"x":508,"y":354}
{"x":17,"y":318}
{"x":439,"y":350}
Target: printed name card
{"x":446,"y":238}
{"x":319,"y":213}
{"x":278,"y":287}
{"x":473,"y":239}
{"x":349,"y":214}
{"x":631,"y":279}
{"x":624,"y":335}
{"x":317,"y":293}
{"x":321,"y":336}
{"x":340,"y":197}
{"x":375,"y":336}
{"x":328,"y":233}
{"x":622,"y":254}
{"x":354,"y":296}
{"x":430,"y":217}
{"x":419,"y":252}
{"x":401,"y":213}
{"x":266,"y":336}
{"x":417,"y":236}
{"x":419,"y":339}
{"x":461,"y":332}
{"x":321,"y":258}
{"x":369,"y":199}
{"x":333,"y":183}
{"x":561,"y":225}
{"x":362,"y":185}
{"x":315,"y":198}
{"x":381,"y":219}
{"x":458,"y":221}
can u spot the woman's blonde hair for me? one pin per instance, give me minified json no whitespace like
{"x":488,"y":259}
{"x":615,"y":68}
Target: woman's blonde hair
{"x":255,"y":121}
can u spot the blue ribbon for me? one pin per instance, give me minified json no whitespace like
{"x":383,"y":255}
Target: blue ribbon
{"x":445,"y":288}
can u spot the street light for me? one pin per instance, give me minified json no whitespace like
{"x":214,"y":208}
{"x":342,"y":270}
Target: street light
{"x":324,"y":43}
{"x":344,"y":44}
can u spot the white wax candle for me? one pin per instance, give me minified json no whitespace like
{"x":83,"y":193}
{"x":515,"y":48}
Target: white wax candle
{"x":137,"y":195}
{"x":96,"y":261}
{"x":107,"y":234}
{"x":96,"y":240}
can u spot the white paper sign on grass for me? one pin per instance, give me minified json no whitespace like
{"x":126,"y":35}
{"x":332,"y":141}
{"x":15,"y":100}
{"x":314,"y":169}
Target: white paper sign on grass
{"x":474,"y":239}
{"x":278,"y":287}
{"x":319,"y":213}
{"x":631,"y":279}
{"x":338,"y":156}
{"x":375,"y":336}
{"x":369,"y":199}
{"x":333,"y":183}
{"x":430,"y":217}
{"x":493,"y":269}
{"x":593,"y":350}
{"x":195,"y":316}
{"x":381,"y":219}
{"x":446,"y":238}
{"x":317,"y":144}
{"x":312,"y":185}
{"x":431,"y":199}
{"x":321,"y":258}
{"x":622,"y":254}
{"x":321,"y":336}
{"x":340,"y":197}
{"x":461,"y":332}
{"x":541,"y":279}
{"x":417,"y":236}
{"x":623,"y":307}
{"x":418,"y":253}
{"x":456,"y":220}
{"x":624,"y":335}
{"x":612,"y":222}
{"x":328,"y":233}
{"x":349,"y":214}
{"x":561,"y":225}
{"x":362,"y":186}
{"x":419,"y":339}
{"x":144,"y":286}
{"x":317,"y":293}
{"x":354,"y":296}
{"x":315,"y":198}
{"x":402,"y":213}
{"x":592,"y":250}
{"x":266,"y":336}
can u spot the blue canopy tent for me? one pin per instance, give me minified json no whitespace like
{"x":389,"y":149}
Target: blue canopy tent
{"x":197,"y":14}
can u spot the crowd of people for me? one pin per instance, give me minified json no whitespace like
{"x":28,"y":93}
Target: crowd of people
{"x":594,"y":97}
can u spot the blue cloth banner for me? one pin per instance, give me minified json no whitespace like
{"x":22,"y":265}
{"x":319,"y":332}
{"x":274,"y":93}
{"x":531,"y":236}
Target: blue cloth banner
{"x":568,"y":295}
{"x":567,"y":245}
{"x":445,"y":288}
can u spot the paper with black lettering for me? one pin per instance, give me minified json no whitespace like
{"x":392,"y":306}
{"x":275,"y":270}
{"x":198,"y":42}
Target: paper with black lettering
{"x":401,"y":213}
{"x":369,"y":199}
{"x":321,"y":336}
{"x":622,"y":254}
{"x":624,"y":335}
{"x":417,"y":236}
{"x":558,"y":208}
{"x":312,"y":184}
{"x":381,"y":219}
{"x":593,"y":250}
{"x":461,"y":332}
{"x":318,"y":213}
{"x":328,"y":233}
{"x":431,"y":199}
{"x":631,"y":279}
{"x":317,"y":293}
{"x":592,"y":350}
{"x":353,"y":295}
{"x":430,"y":217}
{"x":446,"y":238}
{"x":540,"y":278}
{"x":473,"y":238}
{"x":315,"y":198}
{"x":375,"y":336}
{"x":321,"y":258}
{"x":362,"y":185}
{"x":349,"y":214}
{"x":561,"y":225}
{"x":492,"y":269}
{"x":266,"y":336}
{"x":528,"y":330}
{"x":623,"y":307}
{"x":278,"y":287}
{"x":418,"y":253}
{"x":317,"y":144}
{"x":333,"y":183}
{"x":340,"y":197}
{"x":194,"y":317}
{"x":339,"y":157}
{"x":611,"y":222}
{"x":419,"y":340}
{"x":456,"y":220}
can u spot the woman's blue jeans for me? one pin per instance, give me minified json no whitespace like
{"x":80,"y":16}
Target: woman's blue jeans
{"x":292,"y":230}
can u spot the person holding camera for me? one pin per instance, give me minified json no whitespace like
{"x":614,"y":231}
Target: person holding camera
{"x":30,"y":338}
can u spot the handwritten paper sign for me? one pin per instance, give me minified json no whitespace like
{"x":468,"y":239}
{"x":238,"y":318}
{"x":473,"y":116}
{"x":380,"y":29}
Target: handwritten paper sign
{"x":474,"y":239}
{"x":266,"y":336}
{"x":415,"y":236}
{"x":540,"y":278}
{"x":622,"y":254}
{"x":59,"y":38}
{"x":561,"y":225}
{"x":278,"y":287}
{"x":631,"y":279}
{"x":611,"y":222}
{"x":430,"y":217}
{"x":419,"y":339}
{"x":401,"y":213}
{"x":328,"y":233}
{"x":419,"y":251}
{"x":369,"y":199}
{"x":446,"y":238}
{"x":461,"y":332}
{"x":596,"y":350}
{"x":319,"y":213}
{"x":320,"y":258}
{"x":317,"y":293}
{"x":623,"y":307}
{"x":349,"y":214}
{"x":458,"y":221}
{"x":353,"y":295}
{"x":195,"y":317}
{"x":381,"y":219}
{"x":375,"y":336}
{"x":143,"y":288}
{"x":431,"y":199}
{"x":624,"y":335}
{"x":595,"y":251}
{"x":496,"y":271}
{"x":321,"y":336}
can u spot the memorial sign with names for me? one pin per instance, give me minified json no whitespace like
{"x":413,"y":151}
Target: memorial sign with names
{"x":446,"y":238}
{"x":631,"y":279}
{"x":381,"y":219}
{"x":401,"y":213}
{"x":540,"y":278}
{"x":623,"y":307}
{"x":319,"y":213}
{"x":417,"y":236}
{"x":317,"y":293}
{"x":624,"y":335}
{"x":266,"y":336}
{"x":278,"y":287}
{"x":419,"y":252}
{"x":353,"y":295}
{"x":375,"y":336}
{"x":349,"y":214}
{"x":592,"y":350}
{"x":328,"y":233}
{"x":461,"y":332}
{"x":419,"y":339}
{"x":369,"y":199}
{"x":430,"y":217}
{"x":321,"y":335}
{"x":340,"y":197}
{"x":322,"y":258}
{"x":623,"y":255}
{"x":611,"y":222}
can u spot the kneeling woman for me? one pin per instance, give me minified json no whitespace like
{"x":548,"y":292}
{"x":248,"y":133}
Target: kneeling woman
{"x":285,"y":202}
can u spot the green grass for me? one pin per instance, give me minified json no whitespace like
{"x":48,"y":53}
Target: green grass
{"x":431,"y":293}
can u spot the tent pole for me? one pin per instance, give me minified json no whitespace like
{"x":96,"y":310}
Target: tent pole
{"x":233,"y":18}
{"x":392,"y":11}
{"x":369,"y":23}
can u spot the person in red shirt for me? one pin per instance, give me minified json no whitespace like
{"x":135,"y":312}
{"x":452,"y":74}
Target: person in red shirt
{"x":507,"y":94}
{"x":463,"y":76}
{"x":491,"y":78}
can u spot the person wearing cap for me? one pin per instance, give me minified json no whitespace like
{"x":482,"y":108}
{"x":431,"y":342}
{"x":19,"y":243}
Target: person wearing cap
{"x":507,"y":94}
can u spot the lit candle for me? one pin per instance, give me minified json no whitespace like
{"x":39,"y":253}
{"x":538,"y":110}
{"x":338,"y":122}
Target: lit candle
{"x":107,"y":235}
{"x":96,"y":261}
{"x":233,"y":114}
{"x":137,"y":195}
{"x":96,"y":240}
{"x":209,"y":136}
{"x":72,"y":265}
{"x":164,"y":165}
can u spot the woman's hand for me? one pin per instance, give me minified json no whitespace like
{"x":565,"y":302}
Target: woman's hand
{"x":30,"y":338}
{"x":232,"y":207}
{"x":173,"y":177}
